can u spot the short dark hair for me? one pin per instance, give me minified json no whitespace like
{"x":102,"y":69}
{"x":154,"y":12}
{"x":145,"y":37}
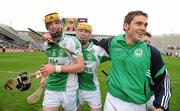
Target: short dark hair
{"x":130,"y":16}
{"x":148,"y":34}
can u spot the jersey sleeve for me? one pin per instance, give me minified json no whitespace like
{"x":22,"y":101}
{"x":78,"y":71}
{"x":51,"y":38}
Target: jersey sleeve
{"x":160,"y":76}
{"x":103,"y":55}
{"x":96,"y":42}
{"x":75,"y":47}
{"x":45,"y":46}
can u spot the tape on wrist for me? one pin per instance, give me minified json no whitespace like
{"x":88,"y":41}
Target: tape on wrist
{"x":58,"y":68}
{"x":38,"y":74}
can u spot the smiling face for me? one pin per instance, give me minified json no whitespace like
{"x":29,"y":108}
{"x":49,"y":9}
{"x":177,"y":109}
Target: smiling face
{"x":136,"y":28}
{"x":135,"y":23}
{"x":83,"y":36}
{"x":84,"y":32}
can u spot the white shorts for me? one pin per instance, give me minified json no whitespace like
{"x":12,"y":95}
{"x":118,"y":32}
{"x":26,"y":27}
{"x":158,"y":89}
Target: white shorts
{"x":93,"y":98}
{"x":115,"y":104}
{"x":68,"y":100}
{"x":149,"y":103}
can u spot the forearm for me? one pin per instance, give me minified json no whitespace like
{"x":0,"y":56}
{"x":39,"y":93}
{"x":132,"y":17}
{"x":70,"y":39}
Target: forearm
{"x":162,"y":91}
{"x":77,"y":67}
{"x":74,"y":68}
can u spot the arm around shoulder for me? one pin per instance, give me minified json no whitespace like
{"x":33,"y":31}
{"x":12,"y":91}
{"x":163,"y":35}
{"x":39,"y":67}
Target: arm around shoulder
{"x":160,"y":76}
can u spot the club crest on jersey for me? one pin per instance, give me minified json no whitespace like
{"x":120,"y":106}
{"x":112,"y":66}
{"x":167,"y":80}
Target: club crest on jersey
{"x":89,"y":56}
{"x":138,"y":52}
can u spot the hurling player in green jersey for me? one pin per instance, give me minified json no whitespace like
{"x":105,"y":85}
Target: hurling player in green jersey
{"x":134,"y":63}
{"x":88,"y":79}
{"x":62,"y":81}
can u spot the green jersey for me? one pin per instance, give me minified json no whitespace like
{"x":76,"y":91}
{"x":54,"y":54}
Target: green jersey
{"x":137,"y":70}
{"x":93,"y":56}
{"x":129,"y":76}
{"x":57,"y":56}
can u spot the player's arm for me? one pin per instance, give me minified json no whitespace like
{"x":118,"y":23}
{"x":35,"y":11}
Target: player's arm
{"x":96,"y":42}
{"x":162,"y":88}
{"x":77,"y":67}
{"x":103,"y":55}
{"x":104,"y":43}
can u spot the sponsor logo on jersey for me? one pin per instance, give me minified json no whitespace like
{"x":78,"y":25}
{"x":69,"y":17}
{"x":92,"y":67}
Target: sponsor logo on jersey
{"x":53,"y":52}
{"x":61,"y":52}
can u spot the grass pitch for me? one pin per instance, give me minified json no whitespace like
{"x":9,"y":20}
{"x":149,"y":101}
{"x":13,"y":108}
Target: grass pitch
{"x":11,"y":64}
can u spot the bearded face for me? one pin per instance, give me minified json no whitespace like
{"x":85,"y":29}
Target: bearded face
{"x":55,"y":28}
{"x":56,"y":34}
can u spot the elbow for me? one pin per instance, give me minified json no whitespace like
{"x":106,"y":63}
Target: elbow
{"x":81,"y":68}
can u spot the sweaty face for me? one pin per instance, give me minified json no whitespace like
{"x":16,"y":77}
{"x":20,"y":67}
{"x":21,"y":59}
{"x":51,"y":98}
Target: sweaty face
{"x":54,"y":27}
{"x":83,"y":36}
{"x":137,"y":28}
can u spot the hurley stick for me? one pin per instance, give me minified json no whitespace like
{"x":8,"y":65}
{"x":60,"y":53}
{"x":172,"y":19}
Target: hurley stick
{"x":52,"y":42}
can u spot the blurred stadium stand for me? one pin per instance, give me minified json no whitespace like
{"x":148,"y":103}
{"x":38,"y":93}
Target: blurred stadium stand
{"x":10,"y":40}
{"x":10,"y":35}
{"x":28,"y":41}
{"x":14,"y":40}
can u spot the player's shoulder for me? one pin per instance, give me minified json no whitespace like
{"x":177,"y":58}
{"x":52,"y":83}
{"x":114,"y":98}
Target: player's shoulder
{"x":69,"y":38}
{"x":154,"y":50}
{"x":98,"y":49}
{"x":46,"y":46}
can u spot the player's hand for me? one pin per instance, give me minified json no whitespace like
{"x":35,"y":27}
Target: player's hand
{"x":158,"y":109}
{"x":47,"y":69}
{"x":46,"y":36}
{"x":43,"y":81}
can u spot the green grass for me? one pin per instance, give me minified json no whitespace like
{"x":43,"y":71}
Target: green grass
{"x":11,"y":64}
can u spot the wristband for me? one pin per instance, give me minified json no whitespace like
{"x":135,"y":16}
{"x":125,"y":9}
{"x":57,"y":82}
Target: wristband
{"x":38,"y":74}
{"x":58,"y":68}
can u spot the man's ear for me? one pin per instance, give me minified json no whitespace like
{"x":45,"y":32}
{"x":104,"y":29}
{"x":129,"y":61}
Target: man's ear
{"x":125,"y":26}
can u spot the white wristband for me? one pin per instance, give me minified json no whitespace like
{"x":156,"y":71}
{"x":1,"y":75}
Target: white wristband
{"x":38,"y":74}
{"x":58,"y":68}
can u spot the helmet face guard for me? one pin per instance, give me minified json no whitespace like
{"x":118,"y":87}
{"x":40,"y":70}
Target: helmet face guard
{"x":23,"y":82}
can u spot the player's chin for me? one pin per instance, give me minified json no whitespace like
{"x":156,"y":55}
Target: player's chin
{"x":138,"y":38}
